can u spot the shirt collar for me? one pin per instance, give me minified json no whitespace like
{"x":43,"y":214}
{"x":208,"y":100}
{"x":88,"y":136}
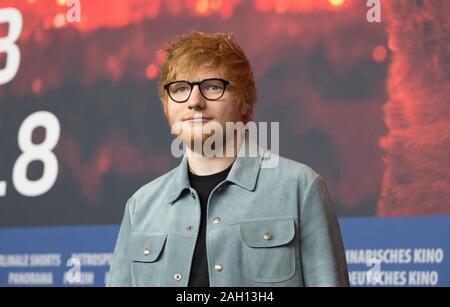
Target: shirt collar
{"x":244,"y":171}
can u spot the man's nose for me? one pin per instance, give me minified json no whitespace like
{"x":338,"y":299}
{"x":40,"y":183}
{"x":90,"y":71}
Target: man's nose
{"x":196,"y":100}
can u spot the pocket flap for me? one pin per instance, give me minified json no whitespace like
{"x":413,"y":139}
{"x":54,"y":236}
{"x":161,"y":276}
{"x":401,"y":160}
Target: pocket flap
{"x":145,"y":248}
{"x":267,"y":233}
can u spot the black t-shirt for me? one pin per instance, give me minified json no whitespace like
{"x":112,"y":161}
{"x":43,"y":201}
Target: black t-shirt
{"x":203,"y":185}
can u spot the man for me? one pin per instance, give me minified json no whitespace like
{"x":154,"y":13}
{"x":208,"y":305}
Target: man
{"x":224,"y":220}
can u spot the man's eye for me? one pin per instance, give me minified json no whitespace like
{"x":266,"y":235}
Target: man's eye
{"x":180,"y":89}
{"x":214,"y":87}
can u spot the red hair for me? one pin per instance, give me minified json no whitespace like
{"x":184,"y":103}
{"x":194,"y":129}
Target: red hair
{"x":216,"y":51}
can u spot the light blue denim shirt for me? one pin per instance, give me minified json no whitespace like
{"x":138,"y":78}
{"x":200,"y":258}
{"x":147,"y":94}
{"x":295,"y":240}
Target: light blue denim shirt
{"x":266,"y":227}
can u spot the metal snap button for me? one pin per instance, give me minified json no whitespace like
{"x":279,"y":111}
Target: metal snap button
{"x":268,"y":236}
{"x":218,"y":267}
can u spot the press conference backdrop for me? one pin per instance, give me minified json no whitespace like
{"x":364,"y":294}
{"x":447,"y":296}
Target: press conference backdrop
{"x":360,"y":89}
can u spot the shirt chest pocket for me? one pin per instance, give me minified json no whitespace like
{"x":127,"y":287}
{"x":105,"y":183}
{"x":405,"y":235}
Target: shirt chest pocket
{"x":270,"y":249}
{"x":146,"y":254}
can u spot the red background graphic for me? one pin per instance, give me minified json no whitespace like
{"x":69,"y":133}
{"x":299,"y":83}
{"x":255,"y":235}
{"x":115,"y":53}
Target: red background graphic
{"x":365,"y":104}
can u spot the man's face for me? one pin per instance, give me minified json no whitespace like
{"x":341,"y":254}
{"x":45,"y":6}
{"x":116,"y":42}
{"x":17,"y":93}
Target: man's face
{"x":213,"y":112}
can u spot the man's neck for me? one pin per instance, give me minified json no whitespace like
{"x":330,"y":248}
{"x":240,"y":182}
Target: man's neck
{"x":203,"y":166}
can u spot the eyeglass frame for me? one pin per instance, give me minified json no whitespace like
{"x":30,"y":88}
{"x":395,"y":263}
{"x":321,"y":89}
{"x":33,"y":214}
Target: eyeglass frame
{"x":192,"y":84}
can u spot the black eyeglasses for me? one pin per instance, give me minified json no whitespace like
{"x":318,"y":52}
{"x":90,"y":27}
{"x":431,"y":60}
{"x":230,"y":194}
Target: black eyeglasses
{"x":211,"y":89}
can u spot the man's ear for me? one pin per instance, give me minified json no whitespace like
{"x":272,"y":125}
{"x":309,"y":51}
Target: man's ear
{"x":164,"y":105}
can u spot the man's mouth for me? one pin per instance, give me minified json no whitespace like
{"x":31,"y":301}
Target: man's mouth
{"x":197,"y":118}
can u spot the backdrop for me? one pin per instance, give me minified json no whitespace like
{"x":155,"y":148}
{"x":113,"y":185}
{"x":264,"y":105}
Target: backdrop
{"x":360,"y":89}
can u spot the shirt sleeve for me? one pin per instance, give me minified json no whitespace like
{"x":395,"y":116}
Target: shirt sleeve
{"x":321,"y":247}
{"x":120,"y":272}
